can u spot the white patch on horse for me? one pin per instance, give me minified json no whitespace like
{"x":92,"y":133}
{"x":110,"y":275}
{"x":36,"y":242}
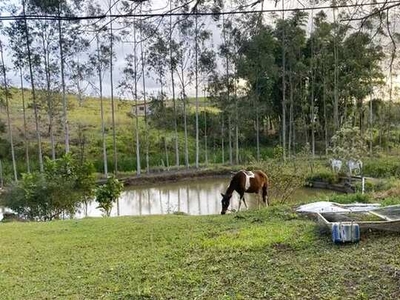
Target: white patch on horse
{"x":249,"y":175}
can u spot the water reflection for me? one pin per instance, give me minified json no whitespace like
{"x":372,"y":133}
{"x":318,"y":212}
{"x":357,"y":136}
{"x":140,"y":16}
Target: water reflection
{"x":200,"y":197}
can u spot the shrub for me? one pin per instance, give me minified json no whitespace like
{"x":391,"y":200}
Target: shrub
{"x":382,"y":168}
{"x":63,"y":186}
{"x":283,"y":181}
{"x":390,"y":201}
{"x":350,"y":198}
{"x":324,"y":176}
{"x":108,"y":193}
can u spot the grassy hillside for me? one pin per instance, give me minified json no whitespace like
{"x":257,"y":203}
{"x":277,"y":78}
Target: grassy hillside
{"x":84,"y":121}
{"x":266,"y":254}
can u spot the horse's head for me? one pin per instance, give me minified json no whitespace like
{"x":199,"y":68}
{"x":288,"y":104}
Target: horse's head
{"x":226,"y":200}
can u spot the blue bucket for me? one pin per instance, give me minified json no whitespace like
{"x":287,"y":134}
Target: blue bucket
{"x":345,"y":232}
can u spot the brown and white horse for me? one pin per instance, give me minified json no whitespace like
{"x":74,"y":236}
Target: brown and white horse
{"x":246,"y":182}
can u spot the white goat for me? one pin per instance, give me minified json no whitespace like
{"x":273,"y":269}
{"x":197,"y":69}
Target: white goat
{"x":336,"y":164}
{"x":354,"y":165}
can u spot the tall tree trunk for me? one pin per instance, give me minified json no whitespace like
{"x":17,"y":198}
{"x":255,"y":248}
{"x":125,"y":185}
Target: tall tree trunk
{"x":222,"y":140}
{"x":10,"y":134}
{"x":138,"y":165}
{"x":35,"y":109}
{"x":283,"y":84}
{"x":103,"y":133}
{"x":236,"y":127}
{"x":197,"y":91}
{"x":370,"y":124}
{"x":184,"y":99}
{"x":26,"y":141}
{"x":312,"y":91}
{"x":336,"y":77}
{"x":146,"y":137}
{"x":258,"y":135}
{"x":112,"y":97}
{"x":290,"y":114}
{"x":205,"y":132}
{"x":64,"y":98}
{"x":227,"y":92}
{"x":173,"y":90}
{"x":166,"y":152}
{"x":230,"y":140}
{"x":48,"y":95}
{"x":325,"y":115}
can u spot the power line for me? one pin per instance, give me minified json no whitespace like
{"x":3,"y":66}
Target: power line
{"x":153,"y":15}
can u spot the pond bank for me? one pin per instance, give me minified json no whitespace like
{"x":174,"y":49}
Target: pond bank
{"x":173,"y":176}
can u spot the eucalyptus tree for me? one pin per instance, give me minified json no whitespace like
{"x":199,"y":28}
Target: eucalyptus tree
{"x":16,"y":33}
{"x":112,"y":37}
{"x":29,"y":41}
{"x":129,"y":86}
{"x":362,"y":58}
{"x":227,"y":53}
{"x":143,"y":29}
{"x":47,"y":63}
{"x":173,"y":62}
{"x":157,"y":54}
{"x":185,"y":72}
{"x":98,"y":60}
{"x":324,"y":73}
{"x":290,"y":58}
{"x":54,"y":42}
{"x":206,"y":65}
{"x":257,"y":67}
{"x":6,"y":94}
{"x":132,"y":74}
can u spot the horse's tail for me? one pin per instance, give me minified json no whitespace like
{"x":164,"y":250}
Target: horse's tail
{"x":266,"y":179}
{"x":265,"y":187}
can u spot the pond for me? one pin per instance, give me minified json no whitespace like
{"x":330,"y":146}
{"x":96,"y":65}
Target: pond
{"x":200,"y":197}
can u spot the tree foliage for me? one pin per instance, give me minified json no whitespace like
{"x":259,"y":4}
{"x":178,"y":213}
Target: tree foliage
{"x":108,"y":193}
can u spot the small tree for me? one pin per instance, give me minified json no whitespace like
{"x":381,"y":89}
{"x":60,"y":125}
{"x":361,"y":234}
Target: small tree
{"x":108,"y":193}
{"x":348,"y":143}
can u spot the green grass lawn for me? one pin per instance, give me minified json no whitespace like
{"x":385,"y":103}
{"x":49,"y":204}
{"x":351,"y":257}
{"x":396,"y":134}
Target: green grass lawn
{"x":263,"y":254}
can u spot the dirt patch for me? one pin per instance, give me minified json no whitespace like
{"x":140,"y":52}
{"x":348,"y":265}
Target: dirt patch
{"x":282,"y":247}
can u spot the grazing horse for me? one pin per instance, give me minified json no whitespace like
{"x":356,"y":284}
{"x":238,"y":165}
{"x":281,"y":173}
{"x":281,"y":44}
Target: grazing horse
{"x":246,"y":182}
{"x":336,"y":164}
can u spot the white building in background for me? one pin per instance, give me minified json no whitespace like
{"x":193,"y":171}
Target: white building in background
{"x":141,"y":108}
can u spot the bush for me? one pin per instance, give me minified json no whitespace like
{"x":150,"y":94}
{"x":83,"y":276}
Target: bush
{"x":350,"y":198}
{"x":390,"y":201}
{"x":382,"y":168}
{"x":108,"y":193}
{"x":64,"y":185}
{"x":324,"y":176}
{"x":282,"y":180}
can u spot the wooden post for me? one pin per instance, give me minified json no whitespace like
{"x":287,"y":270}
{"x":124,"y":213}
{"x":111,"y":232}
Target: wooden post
{"x":362,"y":184}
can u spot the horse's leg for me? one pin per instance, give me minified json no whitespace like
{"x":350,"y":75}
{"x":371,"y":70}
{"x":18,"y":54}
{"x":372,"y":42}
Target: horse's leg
{"x":265,"y":195}
{"x":245,"y":204}
{"x":241,"y":197}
